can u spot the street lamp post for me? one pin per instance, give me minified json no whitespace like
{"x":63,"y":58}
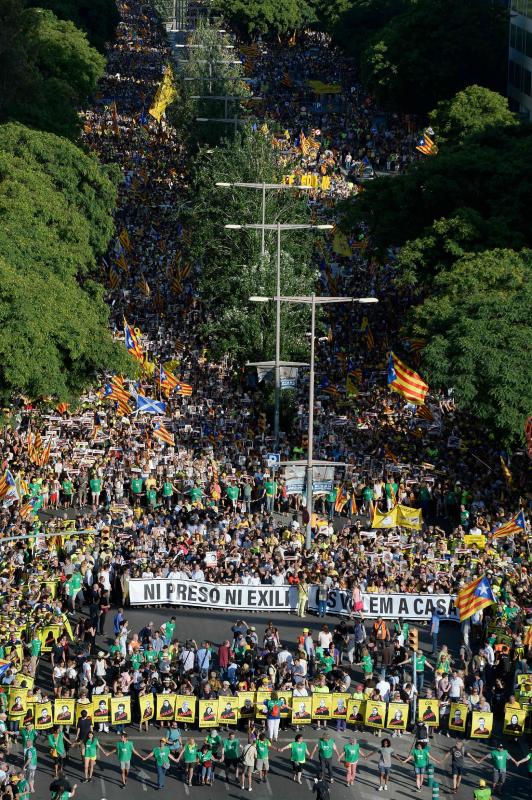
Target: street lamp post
{"x":263,"y":187}
{"x":313,"y":301}
{"x":278,"y":227}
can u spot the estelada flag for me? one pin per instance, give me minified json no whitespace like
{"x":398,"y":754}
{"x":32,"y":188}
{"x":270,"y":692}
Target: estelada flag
{"x":404,"y":380}
{"x":474,"y":597}
{"x":516,"y":525}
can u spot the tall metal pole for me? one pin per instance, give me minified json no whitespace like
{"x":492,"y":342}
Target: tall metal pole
{"x":310,"y":483}
{"x":277,"y":340}
{"x":263,"y":232}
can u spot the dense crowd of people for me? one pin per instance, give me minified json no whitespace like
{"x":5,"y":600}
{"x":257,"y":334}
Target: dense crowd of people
{"x":117,"y":503}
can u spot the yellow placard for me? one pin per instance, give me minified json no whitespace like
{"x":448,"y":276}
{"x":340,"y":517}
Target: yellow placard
{"x":24,"y":681}
{"x":147,"y":708}
{"x":339,"y":705}
{"x":301,"y":710}
{"x":49,"y":634}
{"x":260,"y":708}
{"x":475,"y":538}
{"x":458,"y":716}
{"x":514,"y":721}
{"x":83,"y":707}
{"x":120,"y":710}
{"x":17,"y":702}
{"x":185,"y":708}
{"x":397,"y":719}
{"x":481,"y":724}
{"x":246,"y":705}
{"x":165,"y":706}
{"x":43,"y":716}
{"x":228,"y":710}
{"x":321,"y":706}
{"x":102,"y":707}
{"x":375,"y":714}
{"x":409,"y":517}
{"x":64,"y":711}
{"x":355,"y":711}
{"x":208,"y":713}
{"x":428,"y":711}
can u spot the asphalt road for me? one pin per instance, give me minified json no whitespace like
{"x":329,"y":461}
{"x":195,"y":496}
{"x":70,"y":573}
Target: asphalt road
{"x":215,"y":626}
{"x":106,"y":783}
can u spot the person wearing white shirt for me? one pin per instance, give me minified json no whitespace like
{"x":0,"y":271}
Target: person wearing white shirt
{"x":325,"y":637}
{"x":383,"y":687}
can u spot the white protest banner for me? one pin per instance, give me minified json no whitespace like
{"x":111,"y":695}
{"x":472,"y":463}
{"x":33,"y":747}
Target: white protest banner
{"x":388,"y":606}
{"x":145,"y":592}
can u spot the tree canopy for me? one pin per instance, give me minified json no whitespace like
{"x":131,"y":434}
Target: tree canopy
{"x":48,"y":69}
{"x":55,"y":220}
{"x":470,"y":111}
{"x":266,"y":17}
{"x":231,"y":266}
{"x":98,"y":18}
{"x":478,"y":326}
{"x":435,"y":49}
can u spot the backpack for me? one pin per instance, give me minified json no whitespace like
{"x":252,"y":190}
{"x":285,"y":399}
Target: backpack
{"x":275,"y":711}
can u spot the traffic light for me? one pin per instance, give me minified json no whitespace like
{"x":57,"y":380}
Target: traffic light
{"x":413,"y":638}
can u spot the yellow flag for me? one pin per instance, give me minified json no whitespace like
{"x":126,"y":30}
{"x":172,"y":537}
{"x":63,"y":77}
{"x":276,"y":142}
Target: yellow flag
{"x":166,"y":94}
{"x":341,"y":245}
{"x":387,"y":520}
{"x":409,"y":517}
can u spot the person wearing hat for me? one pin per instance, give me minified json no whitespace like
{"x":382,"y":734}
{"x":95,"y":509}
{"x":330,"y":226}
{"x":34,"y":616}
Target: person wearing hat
{"x":482,"y":793}
{"x":499,"y":759}
{"x":162,"y":756}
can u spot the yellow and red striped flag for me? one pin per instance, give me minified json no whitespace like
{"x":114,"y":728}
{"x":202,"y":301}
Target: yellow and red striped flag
{"x":389,"y":455}
{"x":143,"y":286}
{"x":404,"y":380}
{"x":353,"y":503}
{"x":164,"y":434}
{"x":341,"y":499}
{"x":425,"y":413}
{"x":474,"y":597}
{"x":124,"y":239}
{"x":516,"y":525}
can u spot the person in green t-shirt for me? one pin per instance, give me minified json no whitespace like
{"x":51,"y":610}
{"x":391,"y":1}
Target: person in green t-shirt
{"x":68,"y":491}
{"x":136,"y":485}
{"x":326,"y":748}
{"x":92,"y":745}
{"x":151,"y":496}
{"x":350,"y":757}
{"x":56,"y":743}
{"x":23,"y":787}
{"x":168,"y":630}
{"x":262,"y":766}
{"x":331,"y":503}
{"x":231,"y":753}
{"x":270,"y":490}
{"x":195,"y":494}
{"x":421,"y":758}
{"x":499,"y":758}
{"x":168,"y":492}
{"x":482,"y":793}
{"x":527,"y":760}
{"x":162,"y":756}
{"x":189,"y":754}
{"x":366,"y":663}
{"x":124,"y":750}
{"x":95,"y":487}
{"x":30,"y":764}
{"x":298,"y":754}
{"x":233,"y":492}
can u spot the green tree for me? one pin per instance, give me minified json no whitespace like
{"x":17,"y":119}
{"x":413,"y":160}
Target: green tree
{"x":56,"y":208}
{"x":478,"y":326}
{"x":469,"y":112}
{"x":266,"y":17}
{"x":231,"y":265}
{"x":56,"y":203}
{"x":54,"y":71}
{"x":98,"y":18}
{"x":434,"y":49}
{"x":55,"y":335}
{"x":353,"y":23}
{"x":464,"y":199}
{"x":210,"y":69}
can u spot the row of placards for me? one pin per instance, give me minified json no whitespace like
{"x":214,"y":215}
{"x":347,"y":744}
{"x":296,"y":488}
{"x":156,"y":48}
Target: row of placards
{"x":250,"y":705}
